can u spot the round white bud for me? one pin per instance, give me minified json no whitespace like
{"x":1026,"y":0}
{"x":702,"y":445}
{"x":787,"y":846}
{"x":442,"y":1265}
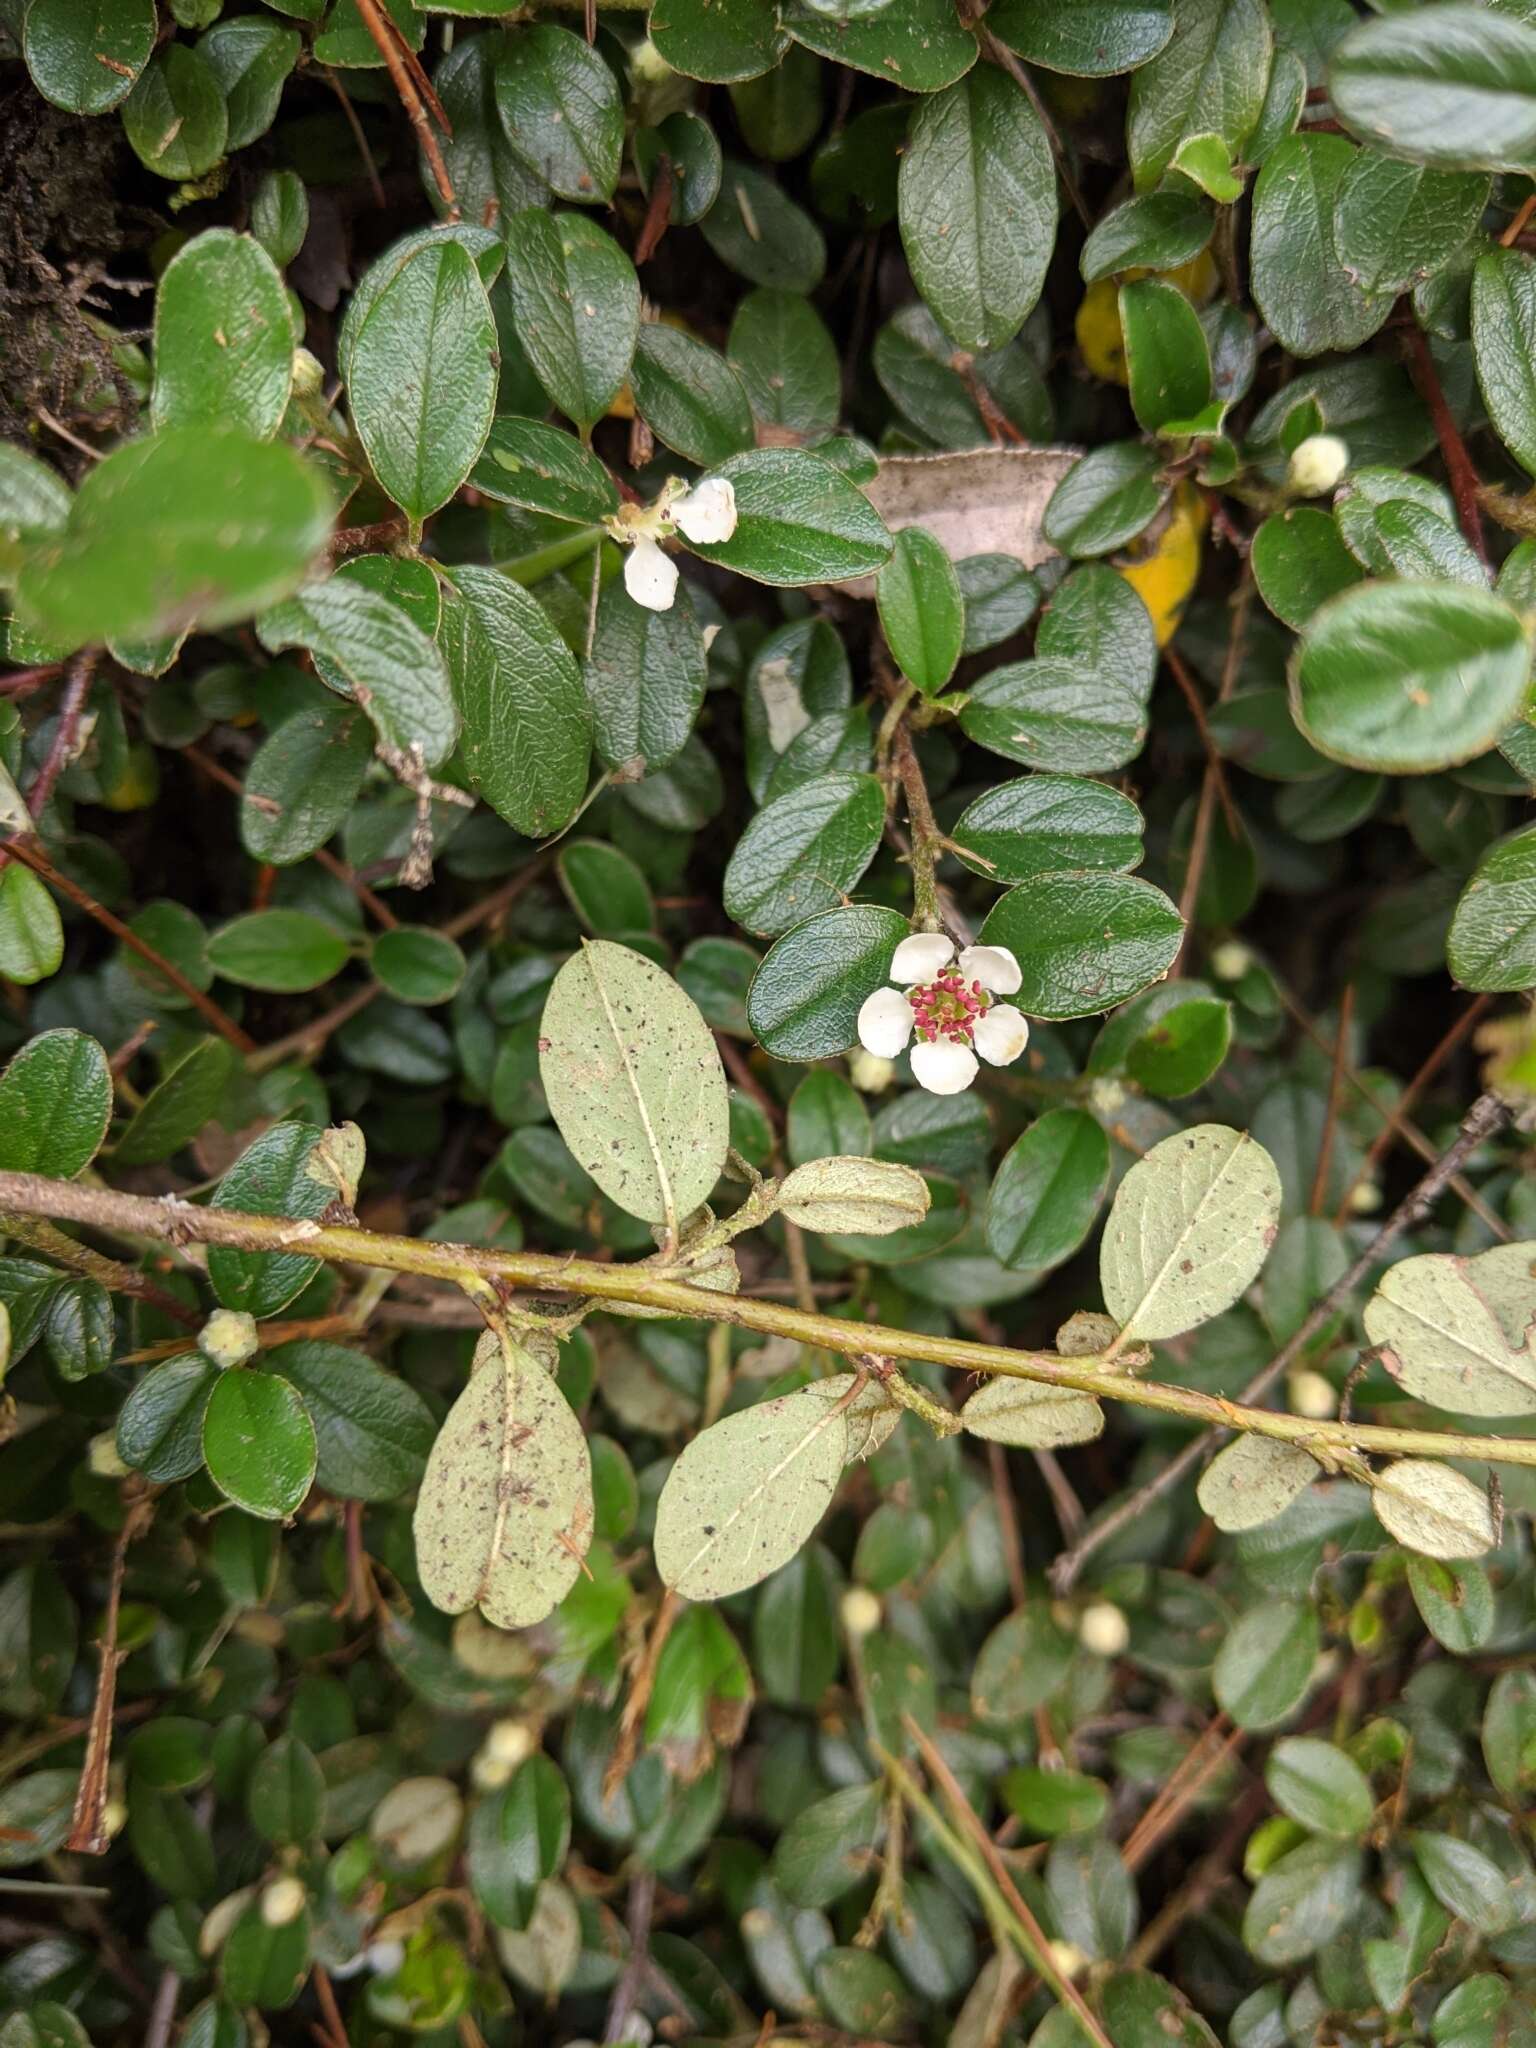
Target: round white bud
{"x":861,"y":1611}
{"x":308,"y":373}
{"x":1103,"y":1629}
{"x":869,"y":1073}
{"x":228,"y":1337}
{"x":1231,"y":960}
{"x":1311,"y":1394}
{"x":282,"y":1902}
{"x":1365,"y":1199}
{"x":1068,"y":1958}
{"x":1317,"y":465}
{"x":1106,"y":1096}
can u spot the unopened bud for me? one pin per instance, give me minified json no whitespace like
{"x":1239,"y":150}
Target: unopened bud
{"x":1317,"y":465}
{"x":861,"y":1611}
{"x":282,"y":1902}
{"x":1103,"y":1629}
{"x":228,"y":1337}
{"x":1365,"y":1199}
{"x":1106,"y":1097}
{"x":114,"y":1817}
{"x":1311,"y":1395}
{"x":1231,"y":960}
{"x":308,"y":373}
{"x":105,"y":1459}
{"x":869,"y":1073}
{"x":648,"y":64}
{"x":510,"y":1742}
{"x":1068,"y":1958}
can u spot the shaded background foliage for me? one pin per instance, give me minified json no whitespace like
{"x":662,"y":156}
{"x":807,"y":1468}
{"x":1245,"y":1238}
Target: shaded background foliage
{"x":329,"y":730}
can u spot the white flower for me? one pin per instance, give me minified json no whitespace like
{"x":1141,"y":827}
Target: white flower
{"x":707,"y":513}
{"x":951,"y":1009}
{"x":1316,"y":465}
{"x":650,"y":576}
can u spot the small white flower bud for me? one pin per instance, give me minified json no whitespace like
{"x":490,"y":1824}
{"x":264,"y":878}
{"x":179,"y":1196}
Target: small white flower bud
{"x":114,"y":1817}
{"x":861,"y":1611}
{"x":490,"y":1773}
{"x":1106,"y":1097}
{"x":650,"y":575}
{"x":385,"y":1957}
{"x":1103,"y":1629}
{"x":1231,"y":960}
{"x":1312,"y":1395}
{"x":707,"y":514}
{"x":308,"y":373}
{"x":869,"y":1073}
{"x":510,"y":1742}
{"x":282,"y":1902}
{"x":648,"y":64}
{"x":1365,"y":1199}
{"x":228,"y":1337}
{"x":105,"y":1459}
{"x":1317,"y":465}
{"x":1068,"y":1958}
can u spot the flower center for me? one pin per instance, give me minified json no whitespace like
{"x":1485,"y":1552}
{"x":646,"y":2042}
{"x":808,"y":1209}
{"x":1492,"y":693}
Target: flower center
{"x":947,"y":1007}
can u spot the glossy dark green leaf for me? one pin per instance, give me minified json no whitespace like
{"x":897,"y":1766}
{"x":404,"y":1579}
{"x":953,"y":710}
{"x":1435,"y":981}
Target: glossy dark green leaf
{"x":525,"y":462}
{"x":31,"y":934}
{"x":805,"y":998}
{"x":1057,"y":715}
{"x":55,"y":1105}
{"x":1105,"y":500}
{"x":1312,"y":300}
{"x":1153,"y":231}
{"x":286,"y":1793}
{"x":175,"y":117}
{"x":418,"y":964}
{"x":1396,"y":224}
{"x":272,"y":1177}
{"x":177,"y":1108}
{"x":372,"y":1431}
{"x":719,"y":44}
{"x":804,"y":852}
{"x":779,"y":113}
{"x":223,"y":338}
{"x":1042,"y":823}
{"x":302,"y":782}
{"x":919,"y":45}
{"x":518,"y":1837}
{"x":1084,"y":942}
{"x":689,"y":396}
{"x":1088,"y":38}
{"x":798,"y":520}
{"x":560,"y":111}
{"x":606,"y":890}
{"x":1048,"y":1191}
{"x":1503,"y":336}
{"x":251,"y":58}
{"x":827,"y":1848}
{"x":692,"y":153}
{"x":978,"y":207}
{"x":645,"y":679}
{"x":259,"y":1443}
{"x":1167,"y":361}
{"x":577,"y":302}
{"x":922,"y":611}
{"x":1452,"y":86}
{"x":385,"y":661}
{"x":1264,"y":1667}
{"x":758,"y":231}
{"x":1300,"y":561}
{"x":87,"y":58}
{"x":160,"y":1427}
{"x":1492,"y":941}
{"x":283,"y":950}
{"x":1208,"y":79}
{"x":526,"y":721}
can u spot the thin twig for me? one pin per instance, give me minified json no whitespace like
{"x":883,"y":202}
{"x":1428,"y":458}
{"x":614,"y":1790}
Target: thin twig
{"x":162,"y":2013}
{"x":1464,"y":480}
{"x":112,"y":1274}
{"x":77,"y":688}
{"x":1433,"y":1062}
{"x":32,"y":856}
{"x":87,"y":1834}
{"x":371,"y":169}
{"x":1486,"y":1116}
{"x":392,"y":48}
{"x":1335,"y":1093}
{"x":1001,"y":55}
{"x":631,"y":1979}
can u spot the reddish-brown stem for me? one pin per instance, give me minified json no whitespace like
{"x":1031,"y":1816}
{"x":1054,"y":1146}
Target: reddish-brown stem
{"x":1410,"y":1095}
{"x":1521,"y":221}
{"x":80,"y":672}
{"x":1217,"y":767}
{"x":87,"y":1834}
{"x":1462,"y":476}
{"x":392,"y":48}
{"x":31,"y":855}
{"x":658,"y":211}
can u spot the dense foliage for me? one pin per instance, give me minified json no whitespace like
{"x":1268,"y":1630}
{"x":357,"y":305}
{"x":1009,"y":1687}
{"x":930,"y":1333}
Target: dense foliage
{"x":767,"y":899}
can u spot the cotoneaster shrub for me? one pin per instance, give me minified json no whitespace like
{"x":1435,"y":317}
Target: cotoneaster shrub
{"x":767,"y":900}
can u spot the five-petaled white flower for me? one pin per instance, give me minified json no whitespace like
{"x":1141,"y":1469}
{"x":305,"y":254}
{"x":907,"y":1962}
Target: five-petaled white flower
{"x":704,"y":515}
{"x":949,"y":1004}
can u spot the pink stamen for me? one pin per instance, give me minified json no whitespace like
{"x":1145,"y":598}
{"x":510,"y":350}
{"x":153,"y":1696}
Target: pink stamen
{"x":946,"y":1008}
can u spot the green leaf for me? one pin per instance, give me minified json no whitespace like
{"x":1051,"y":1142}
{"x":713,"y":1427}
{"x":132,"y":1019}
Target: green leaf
{"x":1301,"y":284}
{"x":798,"y":520}
{"x":1084,"y":942}
{"x":1207,"y":162}
{"x":527,"y":726}
{"x":1300,"y":561}
{"x":922,"y":612}
{"x":191,"y":525}
{"x":690,"y":147}
{"x":1167,"y":360}
{"x":55,"y":1105}
{"x":919,"y":45}
{"x":1055,"y":715}
{"x":645,"y":679}
{"x":1254,"y":1481}
{"x":577,"y":303}
{"x":866,"y":1197}
{"x":265,"y":1966}
{"x":1209,"y":79}
{"x":787,"y":362}
{"x":519,"y":1837}
{"x":86,"y":59}
{"x":1456,"y":1602}
{"x":280,"y":1174}
{"x":977,"y":202}
{"x":525,"y":462}
{"x":421,"y":376}
{"x":1048,"y":1191}
{"x":252,"y":58}
{"x":828,"y":1846}
{"x":1453,"y":86}
{"x":418,"y":964}
{"x":1319,"y":1786}
{"x":160,"y":1425}
{"x":746,"y":1493}
{"x":634,"y":1083}
{"x":689,"y":396}
{"x":372,"y":1431}
{"x":1040,"y":824}
{"x":560,"y":111}
{"x":1264,"y":1668}
{"x":1153,"y":231}
{"x":607,"y":891}
{"x":1432,"y":1509}
{"x":1503,"y":337}
{"x":1031,"y":1413}
{"x":224,"y":338}
{"x":1408,"y":677}
{"x":31,"y":931}
{"x":1191,"y":1225}
{"x":285,"y":1797}
{"x":1105,"y":499}
{"x":1492,"y":940}
{"x":283,"y":950}
{"x":719,"y":44}
{"x":1470,"y":1885}
{"x":805,"y":998}
{"x":758,"y":231}
{"x":863,"y":1994}
{"x":175,"y":117}
{"x":302,"y":782}
{"x":1022,"y":1662}
{"x":387,"y":663}
{"x":1086,"y":38}
{"x":1454,"y":1331}
{"x":259,"y":1443}
{"x":1396,"y":224}
{"x":804,"y":851}
{"x":176,"y":1109}
{"x":504,"y":1516}
{"x":1302,"y":1903}
{"x":34,"y":502}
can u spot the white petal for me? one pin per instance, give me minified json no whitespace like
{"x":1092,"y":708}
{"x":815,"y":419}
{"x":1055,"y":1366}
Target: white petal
{"x":994,"y":967}
{"x":885,"y":1023}
{"x":708,"y":512}
{"x":650,"y":576}
{"x":1001,"y":1035}
{"x":943,"y":1067}
{"x":920,"y":957}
